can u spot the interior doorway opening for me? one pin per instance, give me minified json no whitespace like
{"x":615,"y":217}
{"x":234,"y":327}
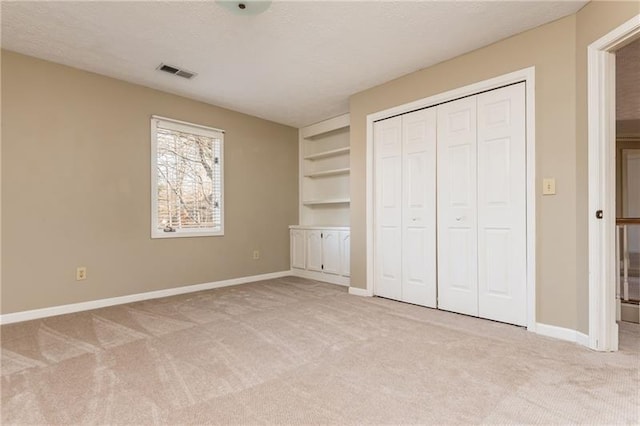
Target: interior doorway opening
{"x":628,"y":182}
{"x":604,"y":267}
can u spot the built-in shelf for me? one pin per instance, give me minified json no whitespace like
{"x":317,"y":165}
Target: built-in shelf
{"x":324,"y":181}
{"x":327,"y":154}
{"x":324,"y":173}
{"x":326,"y":201}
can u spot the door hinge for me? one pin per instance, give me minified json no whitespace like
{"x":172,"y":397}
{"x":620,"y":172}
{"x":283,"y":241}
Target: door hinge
{"x":321,"y":235}
{"x":322,"y":267}
{"x":599,"y":214}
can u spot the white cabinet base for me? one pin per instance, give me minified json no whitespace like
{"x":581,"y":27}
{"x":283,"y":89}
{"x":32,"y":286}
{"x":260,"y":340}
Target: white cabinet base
{"x":321,"y":276}
{"x":321,"y":253}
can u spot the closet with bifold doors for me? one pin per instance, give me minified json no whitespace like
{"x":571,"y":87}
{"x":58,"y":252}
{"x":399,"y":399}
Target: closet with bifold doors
{"x":450,"y":206}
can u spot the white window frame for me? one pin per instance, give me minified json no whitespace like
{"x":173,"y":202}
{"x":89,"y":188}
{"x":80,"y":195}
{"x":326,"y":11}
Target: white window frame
{"x":183,"y":126}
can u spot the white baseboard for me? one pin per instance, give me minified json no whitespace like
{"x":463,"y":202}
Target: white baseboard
{"x":582,"y":339}
{"x":562,"y":333}
{"x":101,"y":303}
{"x":320,"y":276}
{"x":359,"y":292}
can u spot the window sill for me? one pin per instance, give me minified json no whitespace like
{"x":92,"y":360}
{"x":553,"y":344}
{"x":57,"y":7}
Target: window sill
{"x":186,"y":234}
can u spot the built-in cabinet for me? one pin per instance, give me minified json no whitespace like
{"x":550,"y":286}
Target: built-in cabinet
{"x":298,"y":252}
{"x":320,"y":244}
{"x":321,"y":253}
{"x":450,"y":206}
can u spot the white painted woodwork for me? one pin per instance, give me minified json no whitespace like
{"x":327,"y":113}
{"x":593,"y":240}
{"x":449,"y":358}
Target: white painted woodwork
{"x":405,"y":207}
{"x":325,"y":126}
{"x":314,"y":250}
{"x":388,"y":210}
{"x":345,"y":253}
{"x":298,"y":245}
{"x":525,"y":75}
{"x":501,"y":200}
{"x":470,"y":155}
{"x":324,"y":154}
{"x":603,"y":328}
{"x":457,"y":206}
{"x":326,"y":253}
{"x":331,"y":252}
{"x":419,"y":207}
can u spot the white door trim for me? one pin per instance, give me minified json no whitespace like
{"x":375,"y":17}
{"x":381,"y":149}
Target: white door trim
{"x":603,"y":329}
{"x":527,"y":75}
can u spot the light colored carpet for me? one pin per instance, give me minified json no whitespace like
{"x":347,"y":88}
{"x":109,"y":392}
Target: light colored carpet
{"x":294,"y":351}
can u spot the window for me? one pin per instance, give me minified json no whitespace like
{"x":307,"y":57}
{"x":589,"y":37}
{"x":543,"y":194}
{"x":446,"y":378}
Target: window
{"x":187,"y":179}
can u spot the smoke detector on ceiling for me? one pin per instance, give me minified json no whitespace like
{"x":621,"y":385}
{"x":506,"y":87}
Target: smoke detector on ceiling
{"x":180,"y":72}
{"x":245,"y":7}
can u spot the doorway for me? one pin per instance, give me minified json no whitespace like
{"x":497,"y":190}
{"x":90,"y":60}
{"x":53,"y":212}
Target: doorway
{"x":628,"y":181}
{"x":603,"y":267}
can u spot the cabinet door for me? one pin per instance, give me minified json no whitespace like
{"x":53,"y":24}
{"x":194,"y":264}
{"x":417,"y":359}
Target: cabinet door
{"x":331,"y":252}
{"x":457,"y":207}
{"x":297,"y":249}
{"x":345,"y":253}
{"x":314,"y":250}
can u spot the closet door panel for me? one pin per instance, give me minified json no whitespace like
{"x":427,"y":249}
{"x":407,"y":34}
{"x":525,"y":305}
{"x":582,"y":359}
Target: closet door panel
{"x":388,"y":208}
{"x":502,"y":205}
{"x":419,"y":207}
{"x":457,"y":206}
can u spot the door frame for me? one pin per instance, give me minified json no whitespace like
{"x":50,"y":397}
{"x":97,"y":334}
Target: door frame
{"x":526,"y":75}
{"x":603,"y":329}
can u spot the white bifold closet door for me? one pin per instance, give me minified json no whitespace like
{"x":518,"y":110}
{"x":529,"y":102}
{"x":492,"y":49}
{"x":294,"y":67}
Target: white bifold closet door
{"x":482,"y":205}
{"x":457,"y":207}
{"x":405,"y":246}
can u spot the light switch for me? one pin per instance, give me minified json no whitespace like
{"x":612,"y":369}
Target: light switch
{"x":549,"y":186}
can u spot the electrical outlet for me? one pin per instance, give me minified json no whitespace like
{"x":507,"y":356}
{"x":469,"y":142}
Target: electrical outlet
{"x":256,"y":254}
{"x":81,"y":273}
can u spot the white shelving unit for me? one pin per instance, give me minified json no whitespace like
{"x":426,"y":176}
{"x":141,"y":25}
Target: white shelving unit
{"x":320,"y":243}
{"x":324,"y":173}
{"x":326,"y":201}
{"x":334,"y":172}
{"x":327,"y":154}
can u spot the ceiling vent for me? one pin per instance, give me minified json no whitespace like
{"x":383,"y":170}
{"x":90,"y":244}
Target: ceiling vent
{"x":176,"y":71}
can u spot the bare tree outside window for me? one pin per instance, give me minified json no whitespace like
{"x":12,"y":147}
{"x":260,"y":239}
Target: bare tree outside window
{"x":188,"y":180}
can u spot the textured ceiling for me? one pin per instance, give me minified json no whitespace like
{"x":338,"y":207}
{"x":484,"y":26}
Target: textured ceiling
{"x":296,"y":64}
{"x":628,"y":82}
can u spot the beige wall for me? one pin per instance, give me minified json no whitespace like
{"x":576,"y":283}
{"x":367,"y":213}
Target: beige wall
{"x":76,"y":189}
{"x":560,"y":219}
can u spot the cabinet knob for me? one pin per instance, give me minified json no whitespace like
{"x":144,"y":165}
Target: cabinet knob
{"x":458,"y":219}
